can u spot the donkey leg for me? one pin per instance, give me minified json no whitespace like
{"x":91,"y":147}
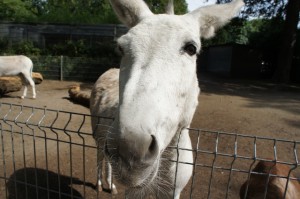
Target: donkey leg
{"x":105,"y":177}
{"x":24,"y":92}
{"x":32,"y":84}
{"x":100,"y":174}
{"x":109,"y":178}
{"x":33,"y":89}
{"x":184,"y":171}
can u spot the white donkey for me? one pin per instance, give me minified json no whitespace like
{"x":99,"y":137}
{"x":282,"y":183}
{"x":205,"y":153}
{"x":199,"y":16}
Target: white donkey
{"x":18,"y":65}
{"x":157,"y":93}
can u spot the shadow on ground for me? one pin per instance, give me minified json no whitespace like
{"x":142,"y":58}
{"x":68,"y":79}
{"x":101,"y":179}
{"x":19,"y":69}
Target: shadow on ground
{"x":260,"y":93}
{"x":39,"y":184}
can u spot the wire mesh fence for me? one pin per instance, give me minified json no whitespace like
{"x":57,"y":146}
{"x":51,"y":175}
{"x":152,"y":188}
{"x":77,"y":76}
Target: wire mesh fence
{"x":94,"y":42}
{"x":47,"y":34}
{"x":51,"y":154}
{"x":72,"y":68}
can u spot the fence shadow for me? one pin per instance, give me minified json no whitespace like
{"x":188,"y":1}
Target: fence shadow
{"x":35,"y":183}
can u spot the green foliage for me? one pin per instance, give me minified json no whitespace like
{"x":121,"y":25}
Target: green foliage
{"x":20,"y":48}
{"x":231,"y":33}
{"x":51,"y":11}
{"x":78,"y":12}
{"x":259,"y":33}
{"x":72,"y":11}
{"x":45,"y":63}
{"x":4,"y":45}
{"x":158,"y":6}
{"x":262,"y":9}
{"x":68,"y":48}
{"x":16,"y":10}
{"x":25,"y":48}
{"x":84,"y":48}
{"x":73,"y":68}
{"x":262,"y":33}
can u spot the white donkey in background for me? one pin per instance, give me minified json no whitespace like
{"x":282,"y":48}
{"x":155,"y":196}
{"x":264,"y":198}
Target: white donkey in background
{"x":18,"y":65}
{"x":154,"y":97}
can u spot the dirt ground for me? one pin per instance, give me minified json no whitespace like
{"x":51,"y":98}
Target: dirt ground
{"x":244,"y":107}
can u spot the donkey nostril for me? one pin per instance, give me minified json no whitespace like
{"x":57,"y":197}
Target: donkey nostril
{"x":152,"y":150}
{"x":141,"y":148}
{"x":153,"y":145}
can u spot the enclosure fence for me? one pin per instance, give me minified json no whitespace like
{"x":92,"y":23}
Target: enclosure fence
{"x":43,"y":34}
{"x":72,"y":68}
{"x":51,"y":154}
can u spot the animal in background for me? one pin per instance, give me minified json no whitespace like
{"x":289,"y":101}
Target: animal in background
{"x":18,"y":65}
{"x":261,"y":181}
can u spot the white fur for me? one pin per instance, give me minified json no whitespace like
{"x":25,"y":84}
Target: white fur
{"x":18,"y":65}
{"x":158,"y":94}
{"x":104,"y":101}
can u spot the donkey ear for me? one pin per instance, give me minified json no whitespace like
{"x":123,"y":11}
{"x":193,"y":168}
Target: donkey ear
{"x":130,"y":12}
{"x":215,"y":16}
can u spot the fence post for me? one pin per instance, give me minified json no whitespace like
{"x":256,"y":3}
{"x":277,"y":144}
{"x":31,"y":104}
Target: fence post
{"x":61,"y":67}
{"x":115,"y":32}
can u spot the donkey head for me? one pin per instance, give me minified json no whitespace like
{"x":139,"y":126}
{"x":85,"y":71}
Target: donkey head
{"x":158,"y":83}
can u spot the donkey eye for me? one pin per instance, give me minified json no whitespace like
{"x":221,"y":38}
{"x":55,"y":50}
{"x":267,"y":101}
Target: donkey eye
{"x":190,"y":49}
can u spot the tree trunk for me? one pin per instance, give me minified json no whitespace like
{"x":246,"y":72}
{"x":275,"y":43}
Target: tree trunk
{"x":284,"y":64}
{"x":10,"y":84}
{"x":14,"y":83}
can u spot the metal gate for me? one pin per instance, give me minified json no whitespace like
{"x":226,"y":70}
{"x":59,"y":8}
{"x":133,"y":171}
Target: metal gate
{"x":51,"y":154}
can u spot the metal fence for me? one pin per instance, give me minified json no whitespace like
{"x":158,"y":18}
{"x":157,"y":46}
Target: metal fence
{"x":51,"y":154}
{"x":72,"y":68}
{"x":47,"y":34}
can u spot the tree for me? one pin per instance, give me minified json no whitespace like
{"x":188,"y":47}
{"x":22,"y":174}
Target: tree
{"x":289,"y":38}
{"x":16,"y":10}
{"x":76,"y":11}
{"x":158,"y":6}
{"x":278,"y":9}
{"x":234,"y":32}
{"x":72,"y":11}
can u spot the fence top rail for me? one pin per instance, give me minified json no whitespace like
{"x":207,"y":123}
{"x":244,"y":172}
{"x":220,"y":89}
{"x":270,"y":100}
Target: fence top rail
{"x":74,"y":29}
{"x":50,"y":110}
{"x":216,"y":133}
{"x":60,"y":24}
